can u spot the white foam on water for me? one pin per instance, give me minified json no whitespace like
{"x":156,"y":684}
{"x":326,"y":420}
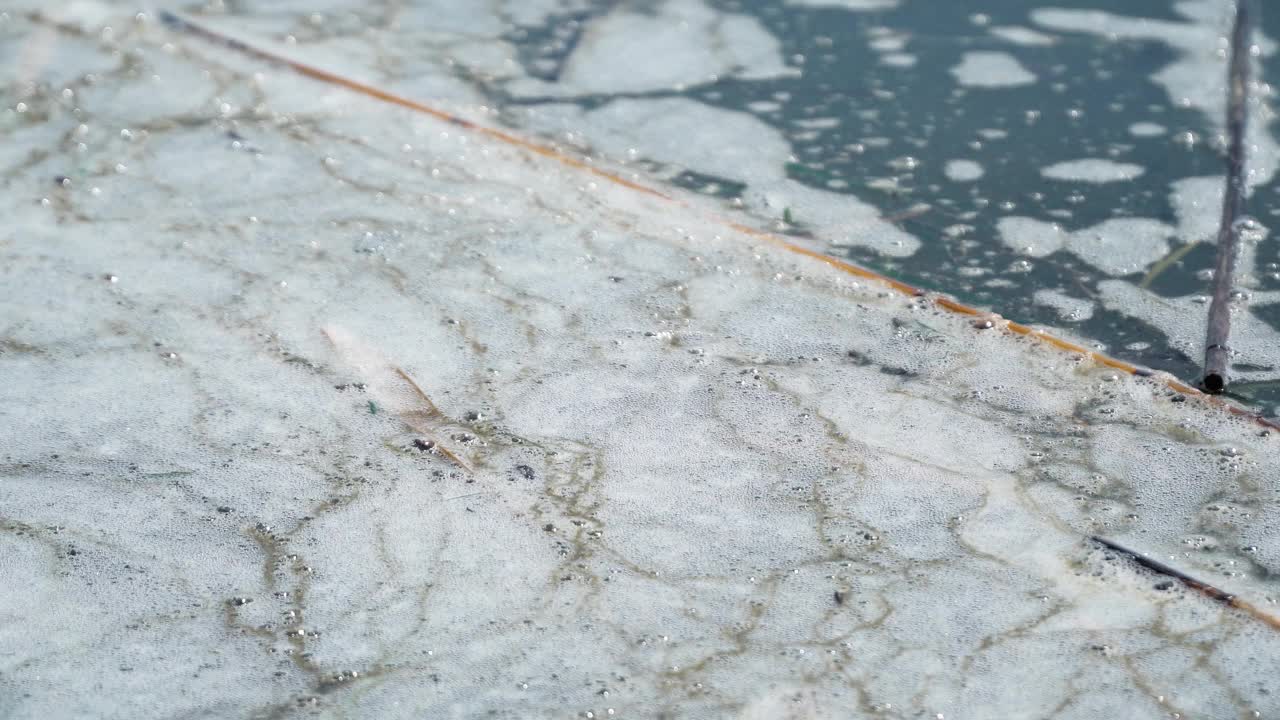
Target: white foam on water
{"x":1147,"y":129}
{"x":1197,"y":203}
{"x":302,"y":422}
{"x":1093,"y":170}
{"x":1025,"y":36}
{"x":1197,"y":78}
{"x":891,"y":45}
{"x":1032,"y":237}
{"x":901,"y":60}
{"x":818,"y":123}
{"x":675,"y":44}
{"x":687,"y":134}
{"x":854,"y":5}
{"x":1183,"y":320}
{"x":963,"y":170}
{"x":1070,"y":309}
{"x":991,"y":69}
{"x":1119,"y":246}
{"x":885,"y":40}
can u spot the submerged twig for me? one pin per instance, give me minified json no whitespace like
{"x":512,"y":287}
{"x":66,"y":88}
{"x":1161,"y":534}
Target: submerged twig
{"x":433,"y":413}
{"x":1204,"y":588}
{"x":1167,"y":262}
{"x":421,"y":414}
{"x":1216,"y":351}
{"x":432,"y":410}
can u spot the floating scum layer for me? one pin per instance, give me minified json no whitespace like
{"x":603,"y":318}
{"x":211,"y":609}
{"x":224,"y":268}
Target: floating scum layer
{"x":306,"y":422}
{"x":616,"y":178}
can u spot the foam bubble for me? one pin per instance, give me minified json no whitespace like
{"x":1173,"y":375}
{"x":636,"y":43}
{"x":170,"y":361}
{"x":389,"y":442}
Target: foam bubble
{"x":1147,"y":129}
{"x":853,"y":5}
{"x":1025,"y":36}
{"x":990,"y":69}
{"x":963,"y":170}
{"x":1070,"y":309}
{"x":1093,"y":170}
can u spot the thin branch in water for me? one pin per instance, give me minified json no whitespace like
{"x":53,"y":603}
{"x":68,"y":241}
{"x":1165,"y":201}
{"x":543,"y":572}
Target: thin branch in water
{"x":434,"y":413}
{"x":432,"y":410}
{"x":387,"y":382}
{"x":1216,"y":351}
{"x":1204,"y":588}
{"x":1167,"y":262}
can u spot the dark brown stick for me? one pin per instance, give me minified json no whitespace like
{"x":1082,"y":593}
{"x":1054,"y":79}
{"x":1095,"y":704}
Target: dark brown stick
{"x":1204,"y":588}
{"x":1216,"y":351}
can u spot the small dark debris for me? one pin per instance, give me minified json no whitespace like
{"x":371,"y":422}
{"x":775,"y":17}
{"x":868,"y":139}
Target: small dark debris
{"x":525,"y":472}
{"x":549,"y":527}
{"x":224,"y":509}
{"x":424,"y":445}
{"x":839,"y":597}
{"x":615,"y":278}
{"x":897,"y":371}
{"x":857,"y":358}
{"x":1164,"y":585}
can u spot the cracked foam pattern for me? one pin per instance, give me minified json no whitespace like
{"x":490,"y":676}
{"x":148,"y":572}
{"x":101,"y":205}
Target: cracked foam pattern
{"x":315,"y":407}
